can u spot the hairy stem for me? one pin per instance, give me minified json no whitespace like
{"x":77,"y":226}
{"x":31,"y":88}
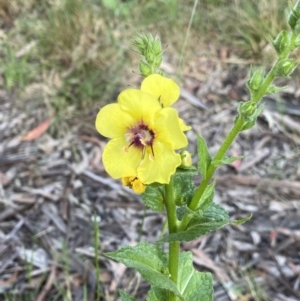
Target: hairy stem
{"x":173,"y":246}
{"x":211,"y":169}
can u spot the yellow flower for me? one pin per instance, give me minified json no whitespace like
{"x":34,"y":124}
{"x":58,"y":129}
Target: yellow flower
{"x":134,"y":183}
{"x":144,"y":137}
{"x":138,"y":186}
{"x":165,"y":90}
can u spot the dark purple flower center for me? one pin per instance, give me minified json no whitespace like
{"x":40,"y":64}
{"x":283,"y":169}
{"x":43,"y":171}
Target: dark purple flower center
{"x":140,"y":136}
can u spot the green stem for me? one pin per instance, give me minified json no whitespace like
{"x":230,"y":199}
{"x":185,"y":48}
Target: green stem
{"x":272,"y":73}
{"x":265,"y":85}
{"x":211,"y":169}
{"x":255,"y":98}
{"x":173,"y":246}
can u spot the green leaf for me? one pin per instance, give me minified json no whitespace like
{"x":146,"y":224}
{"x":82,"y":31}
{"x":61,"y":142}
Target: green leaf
{"x":200,"y":228}
{"x":157,"y":294}
{"x":183,"y":188}
{"x":215,"y":213}
{"x":150,"y":261}
{"x":242,"y":220}
{"x":193,"y":285}
{"x":153,"y":197}
{"x":207,"y":197}
{"x":194,"y":231}
{"x":204,"y":157}
{"x":226,"y":160}
{"x":252,"y":119}
{"x":126,"y":297}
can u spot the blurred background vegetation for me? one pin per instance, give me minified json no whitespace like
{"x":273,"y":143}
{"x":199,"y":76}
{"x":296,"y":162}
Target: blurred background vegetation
{"x":81,"y":49}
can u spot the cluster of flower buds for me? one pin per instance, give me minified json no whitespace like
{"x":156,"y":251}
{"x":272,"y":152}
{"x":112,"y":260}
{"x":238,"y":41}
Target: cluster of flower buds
{"x":285,"y":42}
{"x":294,"y":17}
{"x":151,"y":49}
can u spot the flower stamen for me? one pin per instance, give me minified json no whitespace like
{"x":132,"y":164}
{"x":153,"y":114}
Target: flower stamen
{"x":140,"y":136}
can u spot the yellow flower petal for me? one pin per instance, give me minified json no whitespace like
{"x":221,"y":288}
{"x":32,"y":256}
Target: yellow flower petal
{"x":164,"y":89}
{"x":183,"y":126}
{"x":167,"y":128}
{"x":161,"y":167}
{"x":118,"y":162}
{"x":140,"y":105}
{"x":112,"y":122}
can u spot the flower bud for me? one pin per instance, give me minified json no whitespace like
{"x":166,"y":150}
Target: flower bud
{"x":126,"y":181}
{"x":294,"y":16}
{"x":246,"y":109}
{"x":186,"y":159}
{"x":140,"y":43}
{"x":292,"y":19}
{"x":156,"y":47}
{"x":255,"y":80}
{"x":150,"y":38}
{"x":157,"y":61}
{"x":144,"y":69}
{"x":138,"y":187}
{"x":281,"y":43}
{"x":134,"y":183}
{"x":285,"y":67}
{"x":150,"y":56}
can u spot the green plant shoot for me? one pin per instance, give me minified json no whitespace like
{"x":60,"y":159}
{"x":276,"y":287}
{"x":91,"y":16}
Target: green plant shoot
{"x":147,"y":152}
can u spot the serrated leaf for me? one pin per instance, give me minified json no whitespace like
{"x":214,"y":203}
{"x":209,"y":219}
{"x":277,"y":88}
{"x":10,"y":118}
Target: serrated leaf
{"x":207,"y":197}
{"x":150,"y":261}
{"x":215,"y":217}
{"x":194,"y":231}
{"x":215,"y":213}
{"x":204,"y":157}
{"x":242,"y":220}
{"x":157,"y":294}
{"x":193,"y":285}
{"x":183,"y":188}
{"x":226,"y":160}
{"x":153,"y":197}
{"x":126,"y":297}
{"x":252,"y":120}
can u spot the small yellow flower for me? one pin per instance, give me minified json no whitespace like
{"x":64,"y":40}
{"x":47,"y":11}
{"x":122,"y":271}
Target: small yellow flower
{"x":138,"y":186}
{"x":144,"y":137}
{"x":134,"y":183}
